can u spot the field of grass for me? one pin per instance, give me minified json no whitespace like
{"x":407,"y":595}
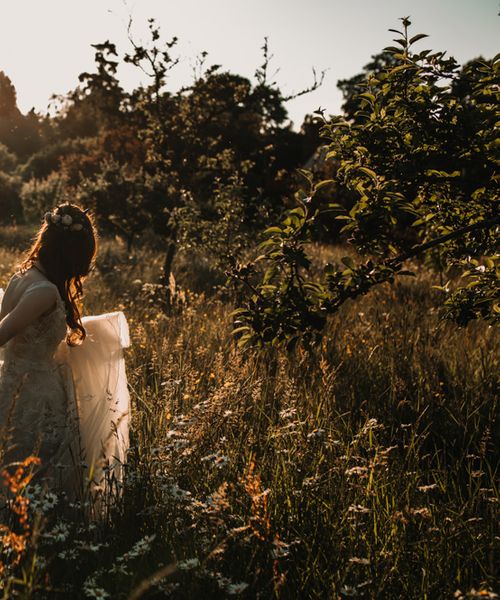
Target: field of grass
{"x":367,"y":469}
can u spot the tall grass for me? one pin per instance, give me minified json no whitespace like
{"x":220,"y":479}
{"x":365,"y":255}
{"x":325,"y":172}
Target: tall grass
{"x":366,"y":469}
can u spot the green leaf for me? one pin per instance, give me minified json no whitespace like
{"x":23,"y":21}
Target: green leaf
{"x":300,"y":211}
{"x":324,"y":183}
{"x":367,"y":96}
{"x":369,"y":172}
{"x":402,"y":68}
{"x":401,"y":41}
{"x":238,"y":311}
{"x":348,"y":262}
{"x":417,"y":37}
{"x":307,"y":174}
{"x":392,"y":49}
{"x":240,"y":330}
{"x":244,"y":340}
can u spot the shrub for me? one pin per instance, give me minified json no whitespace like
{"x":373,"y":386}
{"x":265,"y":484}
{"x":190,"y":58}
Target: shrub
{"x":10,"y":203}
{"x":39,"y":195}
{"x":7,"y":159}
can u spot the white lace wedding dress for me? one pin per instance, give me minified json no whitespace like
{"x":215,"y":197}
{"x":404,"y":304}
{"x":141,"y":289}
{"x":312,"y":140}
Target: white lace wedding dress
{"x":67,"y":405}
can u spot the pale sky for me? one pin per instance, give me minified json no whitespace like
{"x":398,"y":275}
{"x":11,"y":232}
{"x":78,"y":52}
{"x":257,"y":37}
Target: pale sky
{"x":45,"y":44}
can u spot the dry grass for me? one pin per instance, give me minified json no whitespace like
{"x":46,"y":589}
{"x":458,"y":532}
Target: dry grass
{"x":367,"y":469}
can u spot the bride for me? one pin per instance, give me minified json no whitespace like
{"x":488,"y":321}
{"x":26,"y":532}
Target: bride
{"x":63,"y":387}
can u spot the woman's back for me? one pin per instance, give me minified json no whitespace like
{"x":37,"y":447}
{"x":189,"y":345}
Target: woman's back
{"x":38,"y":341}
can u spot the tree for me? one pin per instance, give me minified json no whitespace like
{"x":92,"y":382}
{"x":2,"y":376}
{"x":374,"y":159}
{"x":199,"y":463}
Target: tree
{"x":8,"y":97}
{"x":21,"y":134}
{"x":422,"y":167}
{"x":354,"y":86}
{"x":216,"y":139}
{"x":98,"y":103}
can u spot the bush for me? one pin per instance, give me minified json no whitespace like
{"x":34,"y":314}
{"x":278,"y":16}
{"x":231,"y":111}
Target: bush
{"x":47,"y":160}
{"x":11,"y":210}
{"x":8,"y":160}
{"x":38,"y":196}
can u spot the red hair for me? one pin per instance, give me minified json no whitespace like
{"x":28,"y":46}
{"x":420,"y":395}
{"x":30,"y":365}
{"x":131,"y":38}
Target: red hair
{"x":66,"y":254}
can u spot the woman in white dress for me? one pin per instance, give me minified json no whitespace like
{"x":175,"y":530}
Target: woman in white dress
{"x":63,"y":388}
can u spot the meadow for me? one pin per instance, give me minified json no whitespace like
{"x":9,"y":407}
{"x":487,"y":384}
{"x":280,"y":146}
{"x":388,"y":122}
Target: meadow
{"x":365,"y":468}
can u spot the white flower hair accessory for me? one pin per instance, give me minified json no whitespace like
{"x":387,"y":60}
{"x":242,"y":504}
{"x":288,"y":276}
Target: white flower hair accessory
{"x":63,"y":220}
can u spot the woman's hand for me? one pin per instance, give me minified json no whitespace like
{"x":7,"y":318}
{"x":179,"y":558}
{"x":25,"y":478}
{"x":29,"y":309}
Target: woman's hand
{"x":28,"y":309}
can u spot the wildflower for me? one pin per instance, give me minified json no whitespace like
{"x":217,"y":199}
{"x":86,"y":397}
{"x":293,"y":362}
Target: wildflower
{"x":120,"y":569}
{"x":236,"y":588}
{"x":217,"y":459}
{"x":70,"y":554}
{"x":310,"y":481}
{"x":288,"y":413}
{"x":371,"y":425}
{"x":175,"y":492}
{"x":59,"y":533}
{"x":348,"y":590}
{"x":473,"y":593}
{"x":180,"y":443}
{"x":359,"y":561}
{"x":96,"y":592}
{"x":423,"y":512}
{"x":427,"y":488}
{"x":139,"y":549}
{"x":362,"y":471}
{"x":357,"y":508}
{"x":49,"y":501}
{"x":316,"y":434}
{"x":188,"y":564}
{"x":280,"y":548}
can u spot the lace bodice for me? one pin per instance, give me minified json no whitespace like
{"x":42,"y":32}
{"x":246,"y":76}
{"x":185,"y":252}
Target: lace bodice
{"x":36,"y":345}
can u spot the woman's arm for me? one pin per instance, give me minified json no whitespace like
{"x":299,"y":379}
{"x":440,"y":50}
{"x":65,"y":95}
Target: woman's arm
{"x":3,"y":312}
{"x":28,"y":309}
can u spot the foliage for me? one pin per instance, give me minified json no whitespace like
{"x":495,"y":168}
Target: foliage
{"x":219,"y":128}
{"x":22,"y":134}
{"x":40,"y":195}
{"x":204,"y":167}
{"x":354,"y":86}
{"x":96,"y":103}
{"x":8,"y":160}
{"x":421,"y":163}
{"x":10,"y":204}
{"x":8,"y":96}
{"x":379,"y":453}
{"x":48,"y":159}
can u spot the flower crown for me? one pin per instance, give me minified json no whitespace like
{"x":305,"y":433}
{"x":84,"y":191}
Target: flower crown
{"x":64,"y":220}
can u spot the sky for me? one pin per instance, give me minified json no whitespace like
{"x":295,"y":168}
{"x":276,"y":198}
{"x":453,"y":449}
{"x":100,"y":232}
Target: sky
{"x":45,"y":44}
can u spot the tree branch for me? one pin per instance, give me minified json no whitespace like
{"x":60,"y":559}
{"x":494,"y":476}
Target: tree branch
{"x":416,"y":250}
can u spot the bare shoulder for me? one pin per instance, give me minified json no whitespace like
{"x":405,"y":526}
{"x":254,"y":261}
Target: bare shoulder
{"x":30,"y":291}
{"x":41,"y":291}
